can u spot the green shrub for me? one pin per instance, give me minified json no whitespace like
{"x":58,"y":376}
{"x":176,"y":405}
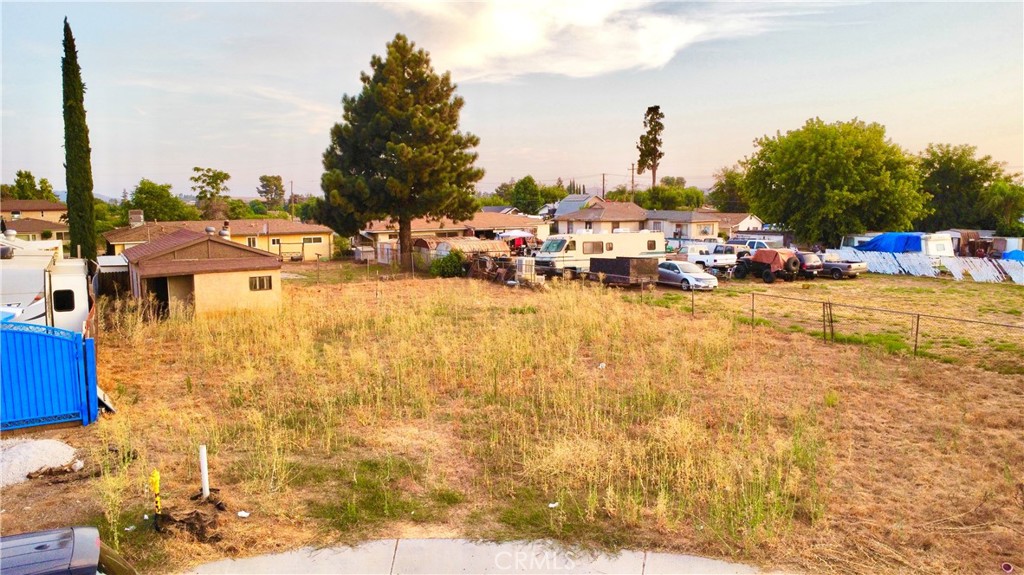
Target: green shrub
{"x":450,"y":266}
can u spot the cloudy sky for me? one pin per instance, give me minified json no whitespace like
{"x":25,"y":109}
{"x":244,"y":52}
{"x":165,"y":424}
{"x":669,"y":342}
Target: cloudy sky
{"x":553,"y":89}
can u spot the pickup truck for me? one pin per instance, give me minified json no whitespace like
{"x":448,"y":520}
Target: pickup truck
{"x":706,"y":256}
{"x":750,"y":247}
{"x":839,"y":268}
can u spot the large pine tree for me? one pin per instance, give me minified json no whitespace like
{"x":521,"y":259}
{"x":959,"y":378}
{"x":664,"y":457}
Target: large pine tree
{"x":398,"y":152}
{"x":78,"y":155}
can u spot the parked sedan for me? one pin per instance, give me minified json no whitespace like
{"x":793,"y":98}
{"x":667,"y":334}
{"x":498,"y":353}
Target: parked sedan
{"x":685,"y":275}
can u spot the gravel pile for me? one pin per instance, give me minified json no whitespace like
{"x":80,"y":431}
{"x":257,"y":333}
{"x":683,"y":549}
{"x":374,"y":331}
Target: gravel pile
{"x":19,"y":457}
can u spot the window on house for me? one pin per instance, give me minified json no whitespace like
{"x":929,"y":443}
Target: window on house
{"x":616,"y":225}
{"x":608,"y":247}
{"x":15,"y":214}
{"x":251,"y":242}
{"x":705,"y":231}
{"x":63,"y":300}
{"x":656,"y":226}
{"x":568,"y":227}
{"x":679,"y":230}
{"x":651,"y":245}
{"x":275,"y":241}
{"x":313,"y":240}
{"x":588,"y":225}
{"x":259,"y":283}
{"x":593,"y":248}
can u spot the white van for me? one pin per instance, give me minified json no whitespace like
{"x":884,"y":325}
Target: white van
{"x":574,"y":251}
{"x":40,"y":288}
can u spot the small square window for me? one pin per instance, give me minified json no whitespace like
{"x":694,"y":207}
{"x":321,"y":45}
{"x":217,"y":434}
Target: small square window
{"x":63,"y":300}
{"x":275,"y":241}
{"x":259,"y":283}
{"x":651,"y":246}
{"x":251,"y":242}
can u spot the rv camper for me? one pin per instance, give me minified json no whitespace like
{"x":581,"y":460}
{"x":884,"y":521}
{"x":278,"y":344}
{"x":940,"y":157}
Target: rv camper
{"x":41,"y":288}
{"x":573,"y":252}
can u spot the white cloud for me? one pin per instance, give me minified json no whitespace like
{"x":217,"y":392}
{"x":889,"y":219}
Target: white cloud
{"x":500,"y":40}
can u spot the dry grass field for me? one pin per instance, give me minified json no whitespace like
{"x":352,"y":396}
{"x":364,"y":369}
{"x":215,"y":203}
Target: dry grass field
{"x":597,"y":417}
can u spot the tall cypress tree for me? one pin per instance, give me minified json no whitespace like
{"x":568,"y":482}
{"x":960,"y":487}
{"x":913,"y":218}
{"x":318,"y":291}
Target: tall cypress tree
{"x":78,"y":155}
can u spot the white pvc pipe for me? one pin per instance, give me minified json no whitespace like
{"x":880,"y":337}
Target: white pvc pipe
{"x":203,"y":472}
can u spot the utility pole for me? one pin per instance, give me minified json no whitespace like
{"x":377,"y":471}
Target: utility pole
{"x":602,"y":186}
{"x":632,"y":181}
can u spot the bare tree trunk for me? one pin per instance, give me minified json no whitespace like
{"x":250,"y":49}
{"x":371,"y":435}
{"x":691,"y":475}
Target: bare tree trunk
{"x":405,"y":242}
{"x":654,"y":176}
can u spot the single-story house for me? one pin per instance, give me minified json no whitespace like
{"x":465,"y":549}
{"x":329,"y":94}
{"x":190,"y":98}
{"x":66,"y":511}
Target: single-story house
{"x":13,"y":210}
{"x":682,"y":224}
{"x":204,"y":271}
{"x":734,"y":222}
{"x":284,"y":238}
{"x":603,"y":217}
{"x":33,"y":229}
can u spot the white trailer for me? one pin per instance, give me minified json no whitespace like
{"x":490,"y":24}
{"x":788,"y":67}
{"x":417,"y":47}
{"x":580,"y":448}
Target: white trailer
{"x":41,"y":288}
{"x":573,"y":252}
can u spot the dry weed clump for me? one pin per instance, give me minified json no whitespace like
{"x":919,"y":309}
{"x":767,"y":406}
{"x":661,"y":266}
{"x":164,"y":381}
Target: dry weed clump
{"x":576,"y":413}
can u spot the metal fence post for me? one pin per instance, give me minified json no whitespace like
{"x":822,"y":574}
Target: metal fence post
{"x":917,"y":331}
{"x":824,"y":329}
{"x":751,"y":311}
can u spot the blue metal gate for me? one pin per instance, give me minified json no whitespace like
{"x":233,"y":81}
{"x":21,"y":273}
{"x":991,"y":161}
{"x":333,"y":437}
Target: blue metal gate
{"x":47,"y":375}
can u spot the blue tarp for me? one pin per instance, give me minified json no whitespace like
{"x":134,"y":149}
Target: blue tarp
{"x":897,"y":242}
{"x":1016,"y":255}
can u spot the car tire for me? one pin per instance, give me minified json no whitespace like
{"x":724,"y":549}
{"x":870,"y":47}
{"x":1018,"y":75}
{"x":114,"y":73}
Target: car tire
{"x":768,"y":277}
{"x":789,"y":277}
{"x":742,"y":254}
{"x":792,"y":265}
{"x":685,"y":285}
{"x":837,"y":274}
{"x":740,"y":272}
{"x":812,"y":276}
{"x":853,"y":276}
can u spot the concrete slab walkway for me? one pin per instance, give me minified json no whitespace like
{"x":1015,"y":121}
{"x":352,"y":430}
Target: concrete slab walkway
{"x":450,"y":556}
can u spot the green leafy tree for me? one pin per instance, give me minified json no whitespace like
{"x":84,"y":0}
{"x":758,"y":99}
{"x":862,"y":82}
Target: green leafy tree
{"x":259,"y":208}
{"x":526,"y":196}
{"x":398,"y":152}
{"x":238,"y":210}
{"x":726,"y":193}
{"x":271,"y":189}
{"x":827,"y":180}
{"x":957,"y":180}
{"x":209,"y":186}
{"x":650,"y":143}
{"x":46,"y":191}
{"x":674,"y":181}
{"x":78,"y":154}
{"x":1004,"y":199}
{"x":158,"y":204}
{"x":551,"y":194}
{"x":504,"y":190}
{"x":25,"y":188}
{"x":491,"y":200}
{"x":108,"y":215}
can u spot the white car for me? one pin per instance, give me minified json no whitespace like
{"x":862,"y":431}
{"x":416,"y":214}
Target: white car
{"x":686,"y":275}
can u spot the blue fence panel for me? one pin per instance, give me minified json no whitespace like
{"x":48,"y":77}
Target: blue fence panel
{"x":47,"y":375}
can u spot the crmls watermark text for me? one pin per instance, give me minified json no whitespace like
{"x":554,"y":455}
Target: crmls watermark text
{"x":525,"y":560}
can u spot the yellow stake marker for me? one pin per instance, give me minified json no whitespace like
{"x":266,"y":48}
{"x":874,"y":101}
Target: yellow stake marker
{"x":154,"y":484}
